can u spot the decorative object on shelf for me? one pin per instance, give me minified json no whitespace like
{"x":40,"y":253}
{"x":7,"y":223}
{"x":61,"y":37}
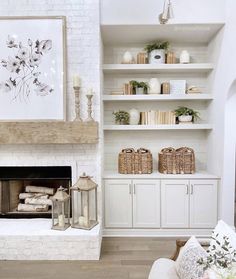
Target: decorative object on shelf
{"x":84,"y":203}
{"x":121,"y":117}
{"x":128,"y":58}
{"x":134,"y":117}
{"x":128,"y":89}
{"x":142,"y":58}
{"x":156,"y":52}
{"x":157,"y":118}
{"x":186,"y":115}
{"x":193,"y":90}
{"x":32,"y":73}
{"x":176,"y":161}
{"x":89,"y":97}
{"x":165,"y":88}
{"x":140,"y":87}
{"x":178,"y":87}
{"x":126,"y":161}
{"x":184,"y":57}
{"x":60,"y":210}
{"x":170,"y":58}
{"x":167,"y":12}
{"x":154,"y":86}
{"x":131,"y":162}
{"x":76,"y":86}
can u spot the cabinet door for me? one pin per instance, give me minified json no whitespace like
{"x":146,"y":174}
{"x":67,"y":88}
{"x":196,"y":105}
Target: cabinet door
{"x":146,"y":203}
{"x":175,"y":203}
{"x":118,"y":204}
{"x":203,"y":203}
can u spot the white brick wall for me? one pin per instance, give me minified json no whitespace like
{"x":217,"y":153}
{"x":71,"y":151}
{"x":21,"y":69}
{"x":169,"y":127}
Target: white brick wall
{"x":83,"y":58}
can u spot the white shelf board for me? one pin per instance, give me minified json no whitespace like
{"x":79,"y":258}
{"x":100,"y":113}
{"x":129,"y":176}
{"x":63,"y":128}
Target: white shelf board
{"x":157,"y":175}
{"x":158,"y":97}
{"x":157,"y":127}
{"x":158,"y":68}
{"x":200,"y":33}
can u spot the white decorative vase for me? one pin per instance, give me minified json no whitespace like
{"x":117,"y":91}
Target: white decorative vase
{"x":184,"y":57}
{"x":134,"y":117}
{"x":154,"y":86}
{"x":139,"y":90}
{"x":127,"y":58}
{"x":157,"y":56}
{"x":185,"y":119}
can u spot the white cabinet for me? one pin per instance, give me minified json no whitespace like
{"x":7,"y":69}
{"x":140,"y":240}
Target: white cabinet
{"x":118,"y":204}
{"x":203,"y":203}
{"x":175,"y":203}
{"x":146,"y":203}
{"x":132,"y":203}
{"x":189,"y":203}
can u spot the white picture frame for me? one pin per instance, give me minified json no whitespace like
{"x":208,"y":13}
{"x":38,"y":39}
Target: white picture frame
{"x":33,"y":68}
{"x":178,"y":87}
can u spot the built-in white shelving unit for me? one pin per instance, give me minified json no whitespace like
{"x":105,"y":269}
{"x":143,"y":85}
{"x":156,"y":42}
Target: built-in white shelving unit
{"x":157,"y":127}
{"x":163,"y":68}
{"x":158,"y":97}
{"x":200,"y":40}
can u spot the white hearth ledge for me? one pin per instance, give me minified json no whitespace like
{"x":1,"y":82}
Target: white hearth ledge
{"x":33,"y":239}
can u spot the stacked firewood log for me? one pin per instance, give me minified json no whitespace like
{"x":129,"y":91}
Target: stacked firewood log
{"x":35,"y":199}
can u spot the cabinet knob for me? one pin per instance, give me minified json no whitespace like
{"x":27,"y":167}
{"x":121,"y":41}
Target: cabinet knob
{"x":186,"y":189}
{"x":191,"y":189}
{"x":130,"y":189}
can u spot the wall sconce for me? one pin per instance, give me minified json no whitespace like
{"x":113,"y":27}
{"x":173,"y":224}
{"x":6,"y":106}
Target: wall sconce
{"x":167,"y":12}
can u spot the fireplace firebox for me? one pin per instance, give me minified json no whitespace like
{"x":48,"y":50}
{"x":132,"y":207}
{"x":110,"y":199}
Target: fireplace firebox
{"x":25,"y":191}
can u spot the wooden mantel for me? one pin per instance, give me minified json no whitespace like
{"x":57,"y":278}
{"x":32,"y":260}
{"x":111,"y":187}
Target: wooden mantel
{"x":56,"y":132}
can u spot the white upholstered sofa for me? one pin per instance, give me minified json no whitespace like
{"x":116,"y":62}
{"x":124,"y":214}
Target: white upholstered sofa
{"x":166,"y":268}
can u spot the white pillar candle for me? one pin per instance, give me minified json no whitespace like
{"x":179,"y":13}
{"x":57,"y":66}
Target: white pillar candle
{"x":76,"y":81}
{"x":90,"y":92}
{"x":61,"y":220}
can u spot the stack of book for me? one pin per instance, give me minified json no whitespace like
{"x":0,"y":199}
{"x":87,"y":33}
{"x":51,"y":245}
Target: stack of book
{"x":128,"y":89}
{"x":157,"y":117}
{"x":142,"y":58}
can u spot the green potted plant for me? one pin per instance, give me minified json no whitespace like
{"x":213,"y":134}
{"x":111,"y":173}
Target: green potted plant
{"x":156,"y":52}
{"x":139,"y":87}
{"x":121,"y":117}
{"x":186,"y":115}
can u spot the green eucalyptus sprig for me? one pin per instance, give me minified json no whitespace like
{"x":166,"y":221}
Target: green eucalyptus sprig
{"x":121,"y":117}
{"x":186,"y":111}
{"x":140,"y":84}
{"x":157,"y":45}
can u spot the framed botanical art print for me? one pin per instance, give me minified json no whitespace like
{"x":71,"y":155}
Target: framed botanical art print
{"x":32,"y":68}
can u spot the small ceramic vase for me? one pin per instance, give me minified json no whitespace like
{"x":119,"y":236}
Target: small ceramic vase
{"x":154,"y":86}
{"x":134,"y":117}
{"x":184,"y":57}
{"x":157,"y":56}
{"x":127,"y":58}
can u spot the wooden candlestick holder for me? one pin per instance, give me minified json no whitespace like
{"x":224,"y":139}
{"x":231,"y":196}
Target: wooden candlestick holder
{"x":89,"y":118}
{"x":77,"y":104}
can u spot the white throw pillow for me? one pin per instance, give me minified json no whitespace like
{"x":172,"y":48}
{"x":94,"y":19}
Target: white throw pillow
{"x":221,"y":230}
{"x":186,"y":264}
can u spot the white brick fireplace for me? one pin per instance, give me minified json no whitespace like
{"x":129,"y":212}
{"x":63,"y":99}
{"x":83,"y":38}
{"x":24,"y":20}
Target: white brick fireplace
{"x":19,"y":238}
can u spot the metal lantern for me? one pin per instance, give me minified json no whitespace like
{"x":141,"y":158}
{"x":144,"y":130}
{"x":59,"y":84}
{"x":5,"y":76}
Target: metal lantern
{"x":60,"y":210}
{"x":84,"y":203}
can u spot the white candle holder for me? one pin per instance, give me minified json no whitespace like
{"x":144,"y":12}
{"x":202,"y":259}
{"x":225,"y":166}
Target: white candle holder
{"x":77,"y":104}
{"x":89,"y":118}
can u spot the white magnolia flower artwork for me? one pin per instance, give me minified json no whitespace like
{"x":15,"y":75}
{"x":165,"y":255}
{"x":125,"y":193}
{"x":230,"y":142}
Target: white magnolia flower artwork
{"x":23,"y":66}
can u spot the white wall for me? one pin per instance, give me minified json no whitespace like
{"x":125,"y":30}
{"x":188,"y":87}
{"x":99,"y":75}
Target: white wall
{"x":146,"y":12}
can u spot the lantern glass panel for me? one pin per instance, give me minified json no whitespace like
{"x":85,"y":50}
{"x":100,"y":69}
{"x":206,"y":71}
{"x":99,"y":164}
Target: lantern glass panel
{"x":61,"y":215}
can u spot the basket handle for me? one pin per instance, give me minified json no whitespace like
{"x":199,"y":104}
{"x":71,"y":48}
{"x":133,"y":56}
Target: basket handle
{"x":143,"y":150}
{"x":168,"y":149}
{"x":128,"y":150}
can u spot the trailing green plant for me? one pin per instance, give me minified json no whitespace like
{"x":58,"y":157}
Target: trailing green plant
{"x":157,"y":45}
{"x":186,"y":111}
{"x":140,"y":84}
{"x":121,"y":117}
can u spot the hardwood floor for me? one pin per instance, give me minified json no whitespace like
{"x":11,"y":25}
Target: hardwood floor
{"x":121,"y":258}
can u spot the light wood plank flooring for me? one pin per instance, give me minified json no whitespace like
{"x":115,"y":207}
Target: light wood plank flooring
{"x":122,"y":258}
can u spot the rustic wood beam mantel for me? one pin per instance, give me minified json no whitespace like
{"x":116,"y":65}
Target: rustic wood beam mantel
{"x":48,"y":132}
